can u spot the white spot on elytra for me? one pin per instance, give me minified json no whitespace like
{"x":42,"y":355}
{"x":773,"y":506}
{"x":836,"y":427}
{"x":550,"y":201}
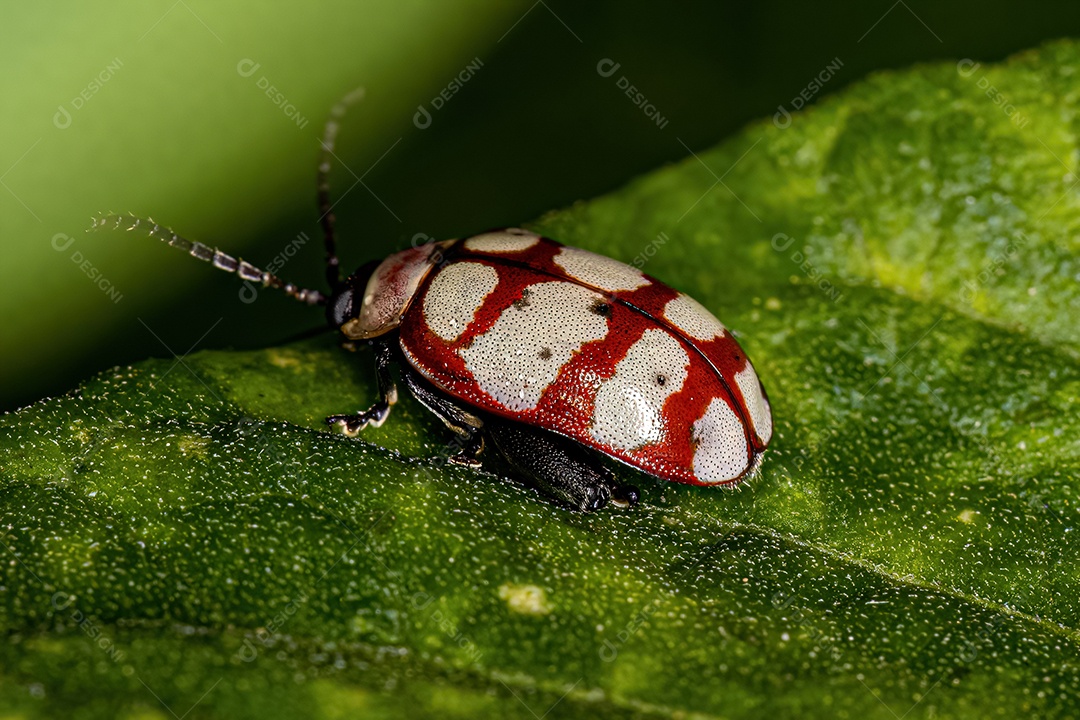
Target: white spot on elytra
{"x":503,"y":241}
{"x":519,"y":357}
{"x":599,"y":271}
{"x":722,"y":453}
{"x":454,"y":295}
{"x":628,"y":410}
{"x":760,"y":412}
{"x":690,"y":316}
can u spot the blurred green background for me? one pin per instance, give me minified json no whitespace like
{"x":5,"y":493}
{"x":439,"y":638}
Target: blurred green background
{"x":160,"y":108}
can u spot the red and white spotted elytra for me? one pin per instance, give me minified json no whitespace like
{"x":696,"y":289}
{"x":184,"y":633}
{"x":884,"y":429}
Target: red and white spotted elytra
{"x":563,"y":339}
{"x":547,"y":353}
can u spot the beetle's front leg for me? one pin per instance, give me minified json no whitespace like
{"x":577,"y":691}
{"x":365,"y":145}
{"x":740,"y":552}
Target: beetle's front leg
{"x":351,"y":425}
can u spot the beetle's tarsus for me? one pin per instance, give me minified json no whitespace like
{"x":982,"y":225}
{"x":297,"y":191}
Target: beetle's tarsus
{"x":468,"y":457}
{"x":625,"y":497}
{"x":463,"y":460}
{"x":351,"y":425}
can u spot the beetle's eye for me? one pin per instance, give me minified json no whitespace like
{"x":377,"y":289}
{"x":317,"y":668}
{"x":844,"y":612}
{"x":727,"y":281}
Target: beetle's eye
{"x":345,"y":301}
{"x":340,"y":309}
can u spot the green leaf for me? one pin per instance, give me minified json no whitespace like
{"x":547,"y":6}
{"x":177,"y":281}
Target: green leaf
{"x":900,"y":263}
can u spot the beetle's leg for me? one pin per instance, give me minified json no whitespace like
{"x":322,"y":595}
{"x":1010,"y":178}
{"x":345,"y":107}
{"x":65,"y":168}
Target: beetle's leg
{"x":468,"y":456}
{"x":377,"y":413}
{"x":558,"y":467}
{"x":465,"y":425}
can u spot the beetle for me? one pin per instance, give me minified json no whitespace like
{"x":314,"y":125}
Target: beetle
{"x":554,"y":356}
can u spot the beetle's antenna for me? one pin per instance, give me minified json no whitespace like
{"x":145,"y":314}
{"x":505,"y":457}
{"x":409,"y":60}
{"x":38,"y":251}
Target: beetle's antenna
{"x":242,"y":268}
{"x":326,"y":158}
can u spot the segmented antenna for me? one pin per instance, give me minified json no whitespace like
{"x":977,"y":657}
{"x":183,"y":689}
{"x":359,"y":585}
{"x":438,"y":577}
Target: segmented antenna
{"x":326,"y":159}
{"x":242,"y":268}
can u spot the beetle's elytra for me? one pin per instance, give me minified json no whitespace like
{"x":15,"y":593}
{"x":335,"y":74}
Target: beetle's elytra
{"x":551,"y":355}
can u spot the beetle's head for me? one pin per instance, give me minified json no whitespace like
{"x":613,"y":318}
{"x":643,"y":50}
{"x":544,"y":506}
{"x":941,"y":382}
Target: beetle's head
{"x":373,"y":300}
{"x":348,"y":295}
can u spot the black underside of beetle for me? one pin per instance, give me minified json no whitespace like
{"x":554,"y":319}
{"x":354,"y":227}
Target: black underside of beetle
{"x":556,"y":466}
